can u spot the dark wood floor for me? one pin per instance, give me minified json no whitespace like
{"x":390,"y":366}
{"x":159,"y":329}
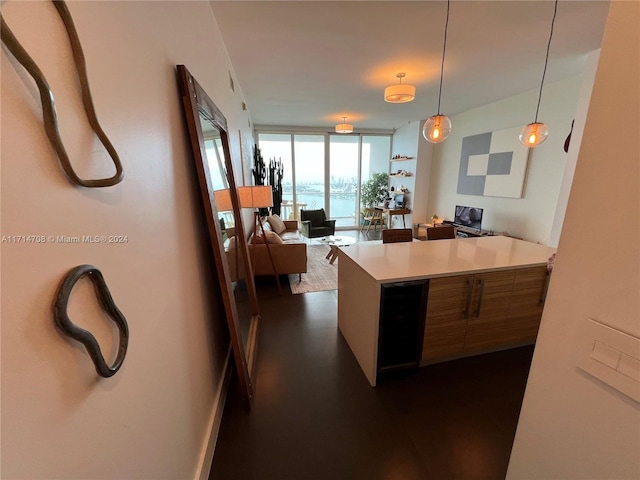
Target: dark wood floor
{"x":315,"y":416}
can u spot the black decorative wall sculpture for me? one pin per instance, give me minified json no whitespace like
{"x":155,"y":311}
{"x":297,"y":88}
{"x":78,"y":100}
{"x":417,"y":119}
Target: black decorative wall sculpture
{"x":81,"y":335}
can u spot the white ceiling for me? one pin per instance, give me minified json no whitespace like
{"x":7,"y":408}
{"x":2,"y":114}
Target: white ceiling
{"x":306,"y":64}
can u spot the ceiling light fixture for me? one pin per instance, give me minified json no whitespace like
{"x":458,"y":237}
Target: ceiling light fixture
{"x":535,"y":133}
{"x":438,"y":127}
{"x":344,"y":127}
{"x":400,"y":93}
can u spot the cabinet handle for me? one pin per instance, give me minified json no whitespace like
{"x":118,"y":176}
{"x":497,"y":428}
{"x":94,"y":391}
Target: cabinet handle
{"x":469,"y":296}
{"x":545,"y":288}
{"x":481,"y":282}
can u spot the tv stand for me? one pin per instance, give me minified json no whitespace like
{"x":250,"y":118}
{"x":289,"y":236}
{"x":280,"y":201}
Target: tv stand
{"x":462,"y":231}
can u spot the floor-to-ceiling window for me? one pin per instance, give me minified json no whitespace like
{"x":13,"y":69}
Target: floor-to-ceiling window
{"x":326,"y":170}
{"x":278,"y":146}
{"x":308,"y":154}
{"x":344,"y":154}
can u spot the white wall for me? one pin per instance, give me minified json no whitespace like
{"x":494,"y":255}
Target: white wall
{"x":404,"y":143}
{"x":152,"y":419}
{"x":408,"y":140}
{"x":573,"y":426}
{"x":531,"y":216}
{"x":584,"y":99}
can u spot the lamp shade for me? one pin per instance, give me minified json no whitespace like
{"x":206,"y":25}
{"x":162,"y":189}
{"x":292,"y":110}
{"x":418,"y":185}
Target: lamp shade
{"x":536,"y":132}
{"x":344,"y":127}
{"x":258,"y":196}
{"x":436,"y":128}
{"x":223,"y":200}
{"x":400,"y":93}
{"x":533,"y":134}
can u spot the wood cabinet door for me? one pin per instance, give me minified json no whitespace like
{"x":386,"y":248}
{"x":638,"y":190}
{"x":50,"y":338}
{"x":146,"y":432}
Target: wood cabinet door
{"x":489,"y":313}
{"x":476,"y":313}
{"x":448,"y":305}
{"x":527,"y":302}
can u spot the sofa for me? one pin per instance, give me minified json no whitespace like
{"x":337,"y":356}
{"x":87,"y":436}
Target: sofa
{"x":288,"y":249}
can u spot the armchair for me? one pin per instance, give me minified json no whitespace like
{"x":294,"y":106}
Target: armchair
{"x":315,"y":223}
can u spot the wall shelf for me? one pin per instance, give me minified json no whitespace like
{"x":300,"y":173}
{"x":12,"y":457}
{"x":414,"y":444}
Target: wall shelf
{"x":401,"y":178}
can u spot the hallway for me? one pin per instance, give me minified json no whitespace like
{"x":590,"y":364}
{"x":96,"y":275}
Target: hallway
{"x":315,"y":416}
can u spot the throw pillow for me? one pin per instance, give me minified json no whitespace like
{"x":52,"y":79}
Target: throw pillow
{"x":277,"y":225}
{"x":273,"y":237}
{"x":266,"y":225}
{"x":270,"y":236}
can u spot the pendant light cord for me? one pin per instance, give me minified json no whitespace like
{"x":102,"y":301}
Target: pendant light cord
{"x":546,"y":60}
{"x":444,"y":49}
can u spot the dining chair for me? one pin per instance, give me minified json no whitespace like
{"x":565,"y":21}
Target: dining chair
{"x":372,"y":217}
{"x":440,"y":233}
{"x":393,"y":235}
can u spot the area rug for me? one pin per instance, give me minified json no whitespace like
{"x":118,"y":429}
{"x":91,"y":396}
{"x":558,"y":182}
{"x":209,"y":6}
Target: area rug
{"x":321,"y":275}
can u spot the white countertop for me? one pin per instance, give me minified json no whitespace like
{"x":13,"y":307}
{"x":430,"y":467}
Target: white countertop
{"x":436,"y":258}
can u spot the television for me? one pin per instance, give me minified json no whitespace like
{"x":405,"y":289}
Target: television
{"x":470,"y":217}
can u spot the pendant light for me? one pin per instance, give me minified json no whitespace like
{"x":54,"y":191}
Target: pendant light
{"x":535,"y":133}
{"x":400,"y":93}
{"x":438,"y":127}
{"x":344,"y":127}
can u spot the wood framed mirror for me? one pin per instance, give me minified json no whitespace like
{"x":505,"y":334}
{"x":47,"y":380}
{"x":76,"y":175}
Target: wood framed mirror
{"x":210,"y":143}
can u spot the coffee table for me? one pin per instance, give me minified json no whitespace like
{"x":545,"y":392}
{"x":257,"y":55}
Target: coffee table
{"x":335,"y":241}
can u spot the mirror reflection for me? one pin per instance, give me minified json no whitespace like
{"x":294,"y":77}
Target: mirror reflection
{"x":216,"y":164}
{"x":210,"y":143}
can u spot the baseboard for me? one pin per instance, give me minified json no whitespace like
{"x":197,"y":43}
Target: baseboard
{"x":206,"y":457}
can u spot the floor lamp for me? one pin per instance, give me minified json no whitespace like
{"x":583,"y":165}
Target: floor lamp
{"x":256,"y":197}
{"x":223,"y":204}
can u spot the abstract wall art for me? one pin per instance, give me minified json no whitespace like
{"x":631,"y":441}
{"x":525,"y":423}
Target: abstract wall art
{"x":493,"y":164}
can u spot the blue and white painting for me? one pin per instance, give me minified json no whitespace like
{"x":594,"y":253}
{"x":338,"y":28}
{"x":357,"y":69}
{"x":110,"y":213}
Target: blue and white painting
{"x":493,"y":164}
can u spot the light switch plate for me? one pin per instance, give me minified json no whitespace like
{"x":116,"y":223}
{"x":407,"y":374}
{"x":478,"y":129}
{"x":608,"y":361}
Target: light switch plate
{"x":605,"y":354}
{"x":612,"y":356}
{"x":629,"y":366}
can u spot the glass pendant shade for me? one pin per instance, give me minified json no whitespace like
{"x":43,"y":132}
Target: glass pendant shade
{"x":533,"y":134}
{"x":436,"y":128}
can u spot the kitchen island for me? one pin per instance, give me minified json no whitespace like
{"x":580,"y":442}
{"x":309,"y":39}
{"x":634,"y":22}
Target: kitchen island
{"x":409,"y":304}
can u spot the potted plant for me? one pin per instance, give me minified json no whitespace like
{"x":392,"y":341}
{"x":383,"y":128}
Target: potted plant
{"x":375,"y":190}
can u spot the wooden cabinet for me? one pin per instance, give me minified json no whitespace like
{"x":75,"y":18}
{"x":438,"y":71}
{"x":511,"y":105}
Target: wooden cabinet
{"x":489,"y":310}
{"x":469,"y":314}
{"x":447,"y":312}
{"x":510,"y":295}
{"x":527,"y":301}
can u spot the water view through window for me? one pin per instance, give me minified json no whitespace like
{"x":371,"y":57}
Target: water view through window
{"x":343,"y":179}
{"x":308,"y":153}
{"x":326,"y":171}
